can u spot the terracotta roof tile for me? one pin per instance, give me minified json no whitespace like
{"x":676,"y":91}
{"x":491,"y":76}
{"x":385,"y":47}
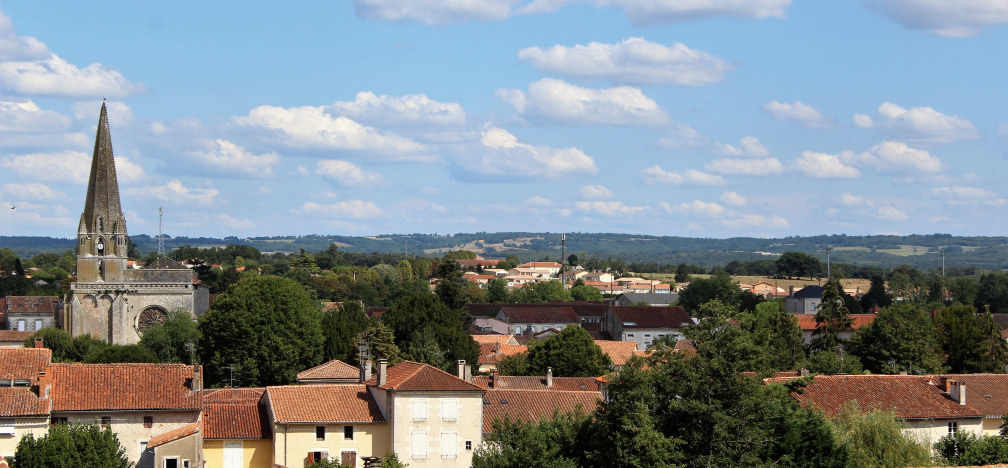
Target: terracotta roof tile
{"x":173,"y":435}
{"x":552,"y":314}
{"x":535,"y":382}
{"x":346,"y":403}
{"x":32,"y":304}
{"x":652,"y":317}
{"x":13,"y":335}
{"x":533,"y":405}
{"x":910,"y":396}
{"x":22,"y":401}
{"x":988,"y":393}
{"x":93,"y":387}
{"x":409,"y":376}
{"x":236,"y":421}
{"x":807,"y":321}
{"x":23,"y":363}
{"x":232,"y":395}
{"x":493,"y":339}
{"x":332,"y":370}
{"x":491,"y":353}
{"x":619,"y":351}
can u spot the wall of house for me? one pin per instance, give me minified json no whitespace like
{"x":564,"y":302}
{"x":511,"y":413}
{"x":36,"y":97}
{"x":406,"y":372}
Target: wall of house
{"x":185,"y":449}
{"x":256,"y":453}
{"x":992,"y":426}
{"x":128,"y":426}
{"x":645,"y":336}
{"x":29,"y":321}
{"x":22,"y":427}
{"x":467,"y":426}
{"x":292,"y":443}
{"x":931,"y":430}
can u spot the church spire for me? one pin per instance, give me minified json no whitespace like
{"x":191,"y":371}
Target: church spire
{"x":103,"y":188}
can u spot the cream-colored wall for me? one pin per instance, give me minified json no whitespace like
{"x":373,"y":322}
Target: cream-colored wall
{"x":469,"y":427}
{"x":257,"y":453}
{"x":128,"y":425}
{"x":38,"y":427}
{"x":992,"y":426}
{"x":929,"y":431}
{"x":293,"y":442}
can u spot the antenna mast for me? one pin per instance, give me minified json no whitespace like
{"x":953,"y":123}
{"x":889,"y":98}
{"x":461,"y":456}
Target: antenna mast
{"x":160,"y":233}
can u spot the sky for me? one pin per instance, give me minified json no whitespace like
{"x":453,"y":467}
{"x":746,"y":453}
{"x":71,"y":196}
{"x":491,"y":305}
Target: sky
{"x":697,"y":118}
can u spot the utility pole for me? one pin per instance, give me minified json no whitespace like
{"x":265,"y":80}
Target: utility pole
{"x":828,"y":250}
{"x":943,"y":263}
{"x":563,"y":260}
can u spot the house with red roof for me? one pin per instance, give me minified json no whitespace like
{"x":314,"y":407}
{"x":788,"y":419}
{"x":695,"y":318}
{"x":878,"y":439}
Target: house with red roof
{"x":31,"y":313}
{"x":334,"y":371}
{"x":533,"y":398}
{"x":236,"y":428}
{"x":644,"y":325}
{"x":23,"y":409}
{"x":807,"y":323}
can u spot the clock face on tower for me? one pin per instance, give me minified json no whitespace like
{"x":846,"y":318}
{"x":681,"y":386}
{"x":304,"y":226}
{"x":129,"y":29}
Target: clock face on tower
{"x":101,"y":244}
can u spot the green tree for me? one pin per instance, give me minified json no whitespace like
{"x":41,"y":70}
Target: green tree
{"x":72,"y":446}
{"x":412,"y":315}
{"x":832,"y":318}
{"x":550,"y":443}
{"x":571,"y":353}
{"x":572,"y":260}
{"x":901,"y":338}
{"x":64,"y":347}
{"x":340,"y":328}
{"x":583,"y":292}
{"x":174,"y":339}
{"x":877,"y":295}
{"x":391,"y":460}
{"x":405,"y":271}
{"x":509,"y":262}
{"x":798,"y":264}
{"x":877,"y":439}
{"x":541,"y":292}
{"x":963,"y":448}
{"x":970,"y":343}
{"x":497,"y":291}
{"x":776,"y":332}
{"x":701,"y":291}
{"x":451,"y":284}
{"x":833,"y":361}
{"x":121,"y":353}
{"x":267,"y":328}
{"x":992,"y":292}
{"x":381,"y":343}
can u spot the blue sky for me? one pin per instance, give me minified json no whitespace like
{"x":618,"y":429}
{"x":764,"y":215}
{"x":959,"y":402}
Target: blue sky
{"x":703,"y":118}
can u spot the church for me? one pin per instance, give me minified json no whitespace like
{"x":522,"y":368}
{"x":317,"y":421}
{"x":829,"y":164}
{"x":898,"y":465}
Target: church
{"x":110,"y":301}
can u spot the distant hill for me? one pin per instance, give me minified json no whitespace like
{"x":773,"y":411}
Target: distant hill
{"x":918,"y":251}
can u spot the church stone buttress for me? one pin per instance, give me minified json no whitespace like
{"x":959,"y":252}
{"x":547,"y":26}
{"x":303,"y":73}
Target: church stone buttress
{"x":108,"y":300}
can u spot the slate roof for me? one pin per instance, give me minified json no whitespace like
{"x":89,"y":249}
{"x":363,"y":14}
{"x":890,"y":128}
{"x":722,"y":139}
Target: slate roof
{"x":235,"y":413}
{"x":173,"y":435}
{"x":619,"y":351}
{"x":32,"y":304}
{"x":22,"y":402}
{"x":537,"y":382}
{"x":584,"y":308}
{"x":809,"y":292}
{"x":909,"y":396}
{"x":651,"y":298}
{"x":533,"y":405}
{"x":409,"y":376}
{"x":23,"y":363}
{"x":807,"y":321}
{"x":124,"y":387}
{"x":652,"y":317}
{"x":549,"y":314}
{"x":332,"y":370}
{"x":988,"y":393}
{"x":340,"y":403}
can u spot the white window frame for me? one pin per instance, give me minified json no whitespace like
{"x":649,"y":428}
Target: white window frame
{"x":237,"y":456}
{"x":178,"y":462}
{"x":449,"y":445}
{"x":418,"y":445}
{"x":418,"y":409}
{"x":450,"y":409}
{"x":7,"y":427}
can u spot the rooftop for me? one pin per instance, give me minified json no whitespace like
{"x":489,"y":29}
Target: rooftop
{"x":340,"y":403}
{"x":409,"y":376}
{"x":95,"y":387}
{"x":332,"y":370}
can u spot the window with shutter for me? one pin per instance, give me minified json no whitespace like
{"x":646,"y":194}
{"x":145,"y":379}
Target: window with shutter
{"x":418,"y":445}
{"x":419,"y":409}
{"x":449,"y":445}
{"x":449,"y":409}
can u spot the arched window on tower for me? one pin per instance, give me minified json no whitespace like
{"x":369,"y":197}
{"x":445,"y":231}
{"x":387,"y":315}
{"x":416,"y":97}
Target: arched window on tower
{"x":100,"y":245}
{"x":101,"y":224}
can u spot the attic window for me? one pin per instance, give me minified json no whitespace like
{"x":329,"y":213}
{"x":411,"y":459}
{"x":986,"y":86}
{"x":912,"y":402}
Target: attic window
{"x":504,"y":402}
{"x":629,"y":324}
{"x":148,"y":421}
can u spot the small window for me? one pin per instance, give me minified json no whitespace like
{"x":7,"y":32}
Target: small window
{"x":105,"y":421}
{"x":148,"y":421}
{"x":953,"y":427}
{"x":647,"y":335}
{"x":469,"y":445}
{"x":319,"y":432}
{"x":348,"y":432}
{"x":629,"y":335}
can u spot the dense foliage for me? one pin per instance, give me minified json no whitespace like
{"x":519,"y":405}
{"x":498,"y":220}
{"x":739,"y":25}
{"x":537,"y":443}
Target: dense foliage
{"x":71,"y":446}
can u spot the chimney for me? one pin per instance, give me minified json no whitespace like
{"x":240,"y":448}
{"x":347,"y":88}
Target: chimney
{"x":791,"y":291}
{"x":461,"y":369}
{"x":38,"y":343}
{"x":803,"y":372}
{"x":468,"y":373}
{"x":382,"y":371}
{"x":366,"y":371}
{"x":957,"y":390}
{"x":549,"y":377}
{"x":197,"y":383}
{"x":493,"y":379}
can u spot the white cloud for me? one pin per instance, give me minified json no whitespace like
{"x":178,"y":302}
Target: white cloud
{"x":682,"y":137}
{"x":852,"y":200}
{"x":414,"y":109}
{"x":230,"y":159}
{"x":357,"y":209}
{"x":499,"y":154}
{"x":316,"y":128}
{"x":15,"y":47}
{"x":595,"y":192}
{"x":57,"y":77}
{"x":176,"y":192}
{"x":435,"y":12}
{"x":873,"y":209}
{"x":119,"y":114}
{"x":825,"y":166}
{"x":922,"y":124}
{"x":25,"y":116}
{"x":799,"y":113}
{"x":413,"y":206}
{"x":225,"y":220}
{"x":732,"y":198}
{"x":889,"y":213}
{"x":711,"y":209}
{"x":441,"y":12}
{"x":607,"y":208}
{"x":67,"y":166}
{"x":957,"y":18}
{"x":348,"y":174}
{"x":967,"y":195}
{"x":555,"y":101}
{"x":760,"y":221}
{"x":675,"y":11}
{"x":32,"y":191}
{"x":897,"y":158}
{"x":656,"y":175}
{"x":634,"y":60}
{"x":537,"y":201}
{"x":749,"y":167}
